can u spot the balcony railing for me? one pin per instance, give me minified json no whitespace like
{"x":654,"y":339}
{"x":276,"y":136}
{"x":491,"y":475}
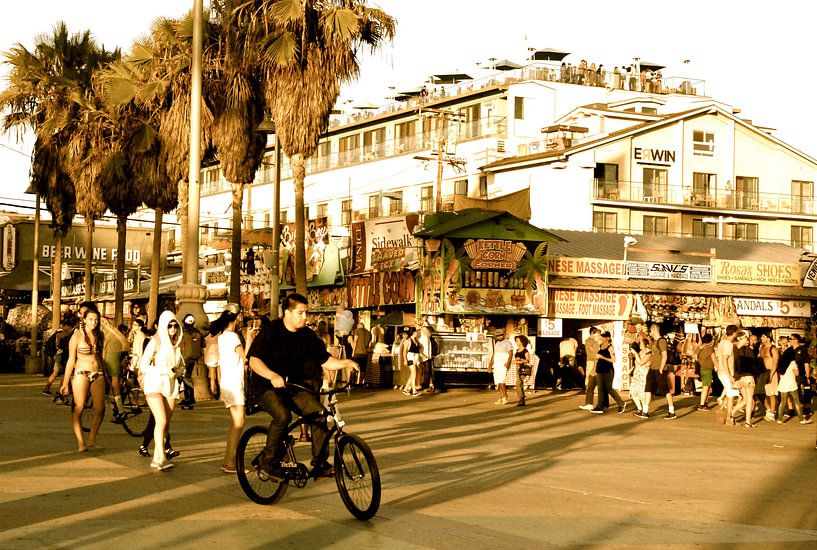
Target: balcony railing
{"x":716,"y":199}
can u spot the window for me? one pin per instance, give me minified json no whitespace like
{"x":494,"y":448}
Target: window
{"x":395,"y":199}
{"x":404,"y":134}
{"x":470,"y":122}
{"x":374,"y":142}
{"x":745,"y":232}
{"x":266,"y":219}
{"x":802,"y":236}
{"x":649,"y":110}
{"x":605,"y":222}
{"x":519,"y":108}
{"x":606,"y":178}
{"x":655,"y":225}
{"x":703,"y":143}
{"x":283,"y":217}
{"x":703,"y":186}
{"x":706,"y":230}
{"x":427,"y":198}
{"x":746,"y":193}
{"x":374,"y":205}
{"x":655,"y":185}
{"x":483,"y":186}
{"x":802,"y":196}
{"x":324,"y":155}
{"x":323,"y":210}
{"x":346,"y":212}
{"x":306,"y":212}
{"x":461,"y":187}
{"x":348,"y":149}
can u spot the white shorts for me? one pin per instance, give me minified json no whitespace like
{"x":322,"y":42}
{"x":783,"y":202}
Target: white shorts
{"x":500,"y":373}
{"x":156,"y":383}
{"x":728,"y":390}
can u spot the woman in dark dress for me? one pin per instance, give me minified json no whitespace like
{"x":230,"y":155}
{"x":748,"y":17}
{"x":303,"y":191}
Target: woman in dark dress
{"x":604,"y":375}
{"x":521,"y":358}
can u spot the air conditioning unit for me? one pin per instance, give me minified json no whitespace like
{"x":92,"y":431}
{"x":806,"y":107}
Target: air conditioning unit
{"x":500,"y":146}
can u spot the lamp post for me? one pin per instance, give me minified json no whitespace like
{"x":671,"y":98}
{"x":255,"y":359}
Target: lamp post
{"x":628,"y":242}
{"x":720,"y":220}
{"x":33,"y":361}
{"x":191,"y":294}
{"x":267,"y":126}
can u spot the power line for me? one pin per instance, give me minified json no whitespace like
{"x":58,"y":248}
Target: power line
{"x":4,"y":146}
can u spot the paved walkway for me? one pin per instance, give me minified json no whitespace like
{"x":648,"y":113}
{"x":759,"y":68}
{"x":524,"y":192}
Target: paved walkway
{"x":458,"y":472}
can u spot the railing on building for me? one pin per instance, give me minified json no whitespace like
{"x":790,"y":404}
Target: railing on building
{"x":716,"y":199}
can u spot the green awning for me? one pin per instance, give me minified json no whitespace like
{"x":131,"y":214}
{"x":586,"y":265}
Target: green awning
{"x":483,"y":224}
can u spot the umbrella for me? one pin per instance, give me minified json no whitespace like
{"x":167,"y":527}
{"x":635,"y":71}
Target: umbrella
{"x":407,"y":94}
{"x":20,"y":318}
{"x":648,"y":65}
{"x":549,"y":54}
{"x":396,"y":318}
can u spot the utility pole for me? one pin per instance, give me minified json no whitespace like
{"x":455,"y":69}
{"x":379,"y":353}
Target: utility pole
{"x":441,"y":118}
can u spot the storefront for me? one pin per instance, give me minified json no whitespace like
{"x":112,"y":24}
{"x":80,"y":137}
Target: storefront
{"x":480,"y":271}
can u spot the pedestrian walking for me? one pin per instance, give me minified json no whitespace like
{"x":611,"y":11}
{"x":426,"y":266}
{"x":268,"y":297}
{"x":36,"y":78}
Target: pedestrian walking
{"x":605,"y":371}
{"x":521,"y":359}
{"x":191,"y":348}
{"x":500,"y":363}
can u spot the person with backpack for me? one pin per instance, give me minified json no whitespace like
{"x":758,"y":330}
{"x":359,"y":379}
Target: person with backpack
{"x":191,"y":347}
{"x":56,"y":347}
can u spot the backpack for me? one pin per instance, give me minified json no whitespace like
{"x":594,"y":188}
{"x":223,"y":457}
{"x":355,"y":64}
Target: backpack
{"x":672,"y":352}
{"x":51,"y":347}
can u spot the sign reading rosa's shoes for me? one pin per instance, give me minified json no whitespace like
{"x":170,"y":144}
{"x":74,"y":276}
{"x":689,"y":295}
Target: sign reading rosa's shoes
{"x":589,"y":304}
{"x":757,"y":273}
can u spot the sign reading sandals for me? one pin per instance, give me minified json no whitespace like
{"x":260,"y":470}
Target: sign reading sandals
{"x":773,"y":308}
{"x":663,"y":270}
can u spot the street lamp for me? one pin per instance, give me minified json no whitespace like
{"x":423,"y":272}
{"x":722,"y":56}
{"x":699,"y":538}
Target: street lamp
{"x":267,"y":126}
{"x":720,"y":220}
{"x":628,"y":242}
{"x":32,"y":363}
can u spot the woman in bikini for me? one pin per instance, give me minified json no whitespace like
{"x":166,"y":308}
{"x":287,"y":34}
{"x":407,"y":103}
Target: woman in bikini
{"x":84,"y":370}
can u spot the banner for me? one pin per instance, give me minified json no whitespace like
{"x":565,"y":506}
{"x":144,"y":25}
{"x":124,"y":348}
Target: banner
{"x":384,"y":244}
{"x":810,"y":279}
{"x":586,"y":267}
{"x":590,"y":304}
{"x":663,"y":270}
{"x":757,"y":273}
{"x":773,"y":308}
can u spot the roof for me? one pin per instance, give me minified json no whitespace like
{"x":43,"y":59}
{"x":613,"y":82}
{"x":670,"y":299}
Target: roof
{"x":483,"y":224}
{"x":527,"y":160}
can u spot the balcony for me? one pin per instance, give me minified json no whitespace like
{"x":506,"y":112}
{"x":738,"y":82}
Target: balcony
{"x":711,"y":199}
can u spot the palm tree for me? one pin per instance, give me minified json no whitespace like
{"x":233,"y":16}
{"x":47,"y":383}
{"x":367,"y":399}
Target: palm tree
{"x":42,"y":86}
{"x":308,"y":50}
{"x":239,"y":108}
{"x":533,"y":268}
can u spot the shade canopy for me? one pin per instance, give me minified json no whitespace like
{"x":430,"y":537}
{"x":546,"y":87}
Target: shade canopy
{"x":408,"y":93}
{"x":505,"y":65}
{"x":650,"y":66}
{"x":549,"y":54}
{"x":396,"y":319}
{"x":450,"y":77}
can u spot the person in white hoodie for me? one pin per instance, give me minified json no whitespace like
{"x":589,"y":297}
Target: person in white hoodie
{"x":160,"y":365}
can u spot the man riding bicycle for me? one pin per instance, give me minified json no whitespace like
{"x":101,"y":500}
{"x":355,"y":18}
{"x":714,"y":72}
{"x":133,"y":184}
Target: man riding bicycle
{"x":286,"y":351}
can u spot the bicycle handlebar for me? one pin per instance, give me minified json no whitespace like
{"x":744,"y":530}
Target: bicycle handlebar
{"x":329,"y":391}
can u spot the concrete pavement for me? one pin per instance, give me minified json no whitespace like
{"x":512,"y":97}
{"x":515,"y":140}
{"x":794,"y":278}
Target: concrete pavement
{"x":458,"y":472}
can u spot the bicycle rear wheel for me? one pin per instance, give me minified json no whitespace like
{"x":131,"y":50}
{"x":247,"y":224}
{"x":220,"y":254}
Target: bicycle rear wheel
{"x":136,"y":412}
{"x":252,"y":442}
{"x":357,"y":477}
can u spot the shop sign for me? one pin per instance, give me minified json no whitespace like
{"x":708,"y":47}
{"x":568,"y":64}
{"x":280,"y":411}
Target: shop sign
{"x":757,"y":273}
{"x":100,"y":254}
{"x":773,"y":308}
{"x":105,"y":284}
{"x":586,"y":267}
{"x":549,"y":328}
{"x":317,"y":238}
{"x":590,"y":304}
{"x":648,"y":155}
{"x":384,"y":244}
{"x":9,"y":252}
{"x":810,"y":278}
{"x":664,"y":270}
{"x":325,"y":299}
{"x":494,"y":253}
{"x":381,"y":289}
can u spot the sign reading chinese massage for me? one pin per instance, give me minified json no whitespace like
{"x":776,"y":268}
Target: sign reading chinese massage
{"x":757,"y":273}
{"x":589,"y":304}
{"x":586,"y":267}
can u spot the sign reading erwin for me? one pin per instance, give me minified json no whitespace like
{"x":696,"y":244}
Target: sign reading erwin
{"x":590,"y":304}
{"x":755,"y":273}
{"x":586,"y":267}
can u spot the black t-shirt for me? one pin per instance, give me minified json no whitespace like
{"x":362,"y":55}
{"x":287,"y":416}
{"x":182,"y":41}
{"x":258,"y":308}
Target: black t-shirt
{"x":745,"y":362}
{"x":296,"y":356}
{"x":786,"y":358}
{"x":604,"y":363}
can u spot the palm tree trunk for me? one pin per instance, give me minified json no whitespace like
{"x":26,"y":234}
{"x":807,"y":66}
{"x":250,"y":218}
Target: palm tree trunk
{"x":181,"y":210}
{"x":298,"y":176}
{"x":56,"y":283}
{"x":89,"y":257}
{"x":119,"y":291}
{"x":235,"y":266}
{"x":153,"y":301}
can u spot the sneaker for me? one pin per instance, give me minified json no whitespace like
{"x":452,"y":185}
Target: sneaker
{"x":46,"y":391}
{"x":586,"y":407}
{"x":324,"y":470}
{"x":641,"y":414}
{"x":597,"y":411}
{"x":806,"y":421}
{"x":670,"y":416}
{"x":143,"y":451}
{"x":268,"y":470}
{"x":769,"y":417}
{"x":118,"y":418}
{"x":162,"y":466}
{"x":415,"y":394}
{"x":702,"y":408}
{"x":622,"y":408}
{"x":170,"y":452}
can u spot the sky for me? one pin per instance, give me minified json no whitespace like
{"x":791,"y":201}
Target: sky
{"x":752,"y":55}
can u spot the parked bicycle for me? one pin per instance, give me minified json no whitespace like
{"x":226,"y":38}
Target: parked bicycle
{"x":356,"y":474}
{"x":135,"y":412}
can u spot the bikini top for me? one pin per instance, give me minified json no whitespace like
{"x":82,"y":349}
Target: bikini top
{"x":86,"y":349}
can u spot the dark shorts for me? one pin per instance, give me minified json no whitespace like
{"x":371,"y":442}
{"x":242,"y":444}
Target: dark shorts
{"x":656,"y":383}
{"x":706,"y":377}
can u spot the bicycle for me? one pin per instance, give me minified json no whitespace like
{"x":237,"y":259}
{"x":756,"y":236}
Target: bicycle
{"x":135,"y":411}
{"x":356,"y":474}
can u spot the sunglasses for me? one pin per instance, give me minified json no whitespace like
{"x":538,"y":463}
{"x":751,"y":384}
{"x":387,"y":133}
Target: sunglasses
{"x":172,"y":325}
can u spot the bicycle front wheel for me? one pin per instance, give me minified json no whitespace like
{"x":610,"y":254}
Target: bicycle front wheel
{"x":86,"y":419}
{"x":136,"y":412}
{"x":357,"y":477}
{"x":252,"y":442}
